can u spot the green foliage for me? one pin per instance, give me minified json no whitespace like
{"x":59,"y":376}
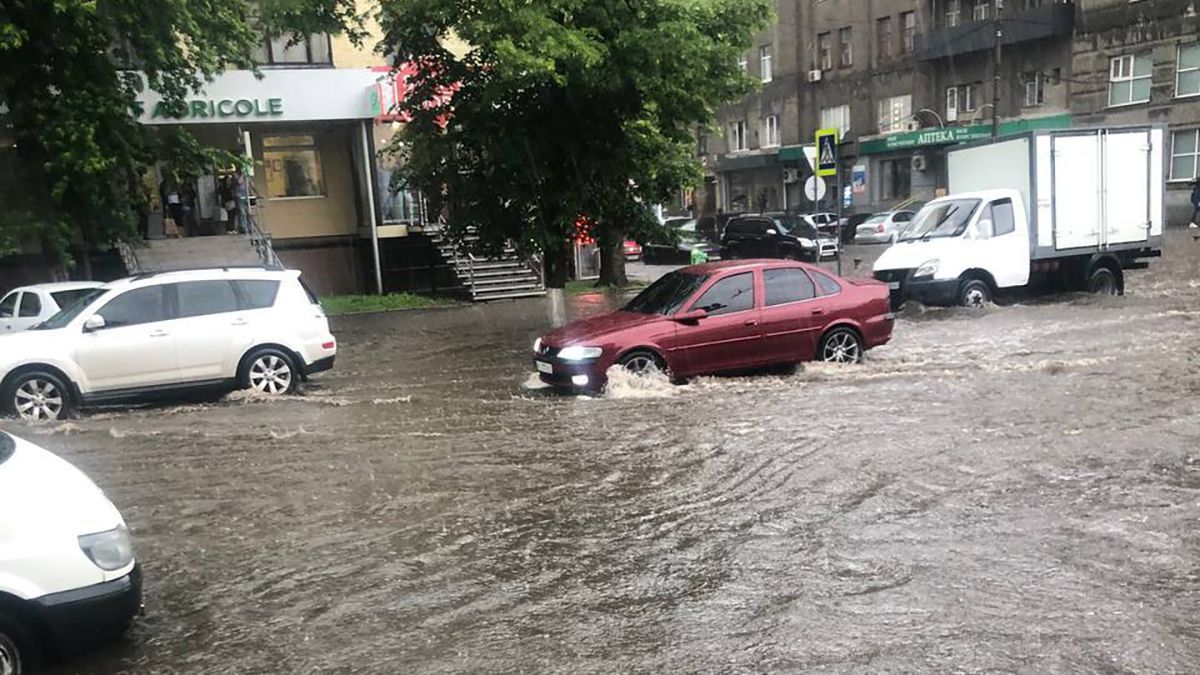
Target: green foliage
{"x":336,"y":305}
{"x":564,"y":107}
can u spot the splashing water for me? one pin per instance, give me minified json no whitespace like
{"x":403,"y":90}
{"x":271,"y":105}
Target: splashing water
{"x":623,"y":384}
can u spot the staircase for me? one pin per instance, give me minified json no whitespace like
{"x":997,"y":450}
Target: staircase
{"x":165,"y":255}
{"x":508,"y":276}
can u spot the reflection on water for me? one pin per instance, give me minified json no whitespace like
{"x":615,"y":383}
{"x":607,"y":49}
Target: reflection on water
{"x":1014,"y":489}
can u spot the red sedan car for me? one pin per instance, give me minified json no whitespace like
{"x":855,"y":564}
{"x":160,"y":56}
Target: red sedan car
{"x":718,"y":317}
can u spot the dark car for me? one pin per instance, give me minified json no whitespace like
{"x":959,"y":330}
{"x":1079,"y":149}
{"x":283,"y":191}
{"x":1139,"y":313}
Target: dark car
{"x":770,"y":236}
{"x":849,"y":225}
{"x":720,"y":317}
{"x":712,"y":228}
{"x":678,"y":250}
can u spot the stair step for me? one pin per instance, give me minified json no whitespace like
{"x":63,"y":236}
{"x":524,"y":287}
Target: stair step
{"x":487,"y":273}
{"x":496,"y":281}
{"x":503,"y":288}
{"x":514,"y":294}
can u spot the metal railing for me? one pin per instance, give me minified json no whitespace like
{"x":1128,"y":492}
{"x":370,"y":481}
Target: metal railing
{"x":129,"y":257}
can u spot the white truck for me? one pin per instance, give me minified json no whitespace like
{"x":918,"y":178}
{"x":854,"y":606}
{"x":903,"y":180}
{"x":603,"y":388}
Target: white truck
{"x":1044,"y":211}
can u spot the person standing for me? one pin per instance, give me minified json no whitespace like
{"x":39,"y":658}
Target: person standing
{"x":1195,"y":205}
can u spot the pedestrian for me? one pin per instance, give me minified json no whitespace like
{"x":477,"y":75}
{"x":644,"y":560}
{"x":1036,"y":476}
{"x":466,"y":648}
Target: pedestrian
{"x":241,"y":191}
{"x":1195,"y":205}
{"x":225,"y":194}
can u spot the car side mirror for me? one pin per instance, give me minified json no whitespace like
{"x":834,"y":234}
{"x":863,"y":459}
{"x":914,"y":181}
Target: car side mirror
{"x":690,"y":317}
{"x":94,"y":322}
{"x":772,"y":232}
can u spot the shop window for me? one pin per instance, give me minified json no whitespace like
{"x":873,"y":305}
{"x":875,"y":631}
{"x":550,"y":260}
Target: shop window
{"x":293,"y":167}
{"x":895,"y":178}
{"x":287,"y":50}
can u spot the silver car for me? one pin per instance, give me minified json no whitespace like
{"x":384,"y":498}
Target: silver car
{"x":882,"y":228}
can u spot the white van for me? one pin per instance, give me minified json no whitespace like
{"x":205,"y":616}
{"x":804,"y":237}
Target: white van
{"x":68,"y":578}
{"x":1052,"y":210}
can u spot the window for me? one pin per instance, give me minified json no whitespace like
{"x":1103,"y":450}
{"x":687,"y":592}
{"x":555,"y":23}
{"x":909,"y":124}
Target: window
{"x":737,"y":136}
{"x":744,"y":63}
{"x":970,"y":95}
{"x":883,"y":38}
{"x":1001,"y":215}
{"x":825,"y":51}
{"x":31,"y":305}
{"x":729,"y":295}
{"x":1185,"y":158}
{"x":1035,"y":89}
{"x":764,"y":63}
{"x":894,"y":112}
{"x":8,"y":305}
{"x":845,"y":48}
{"x":1187,"y":77}
{"x":286,"y":50}
{"x":826,"y":285}
{"x":257,"y":294}
{"x":293,"y":166}
{"x":202,"y":298}
{"x":895,"y":179}
{"x":837,"y":117}
{"x":908,"y":32}
{"x":953,"y":13}
{"x":770,"y":131}
{"x":980,"y":11}
{"x":787,"y":285}
{"x":1129,"y":79}
{"x":141,"y":305}
{"x":65,"y":299}
{"x":952,"y":104}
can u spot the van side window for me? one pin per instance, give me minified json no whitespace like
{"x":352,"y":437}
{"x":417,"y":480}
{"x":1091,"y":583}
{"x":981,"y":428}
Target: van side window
{"x":1003,"y":221}
{"x":203,"y":298}
{"x":141,"y":305}
{"x":258,"y":293}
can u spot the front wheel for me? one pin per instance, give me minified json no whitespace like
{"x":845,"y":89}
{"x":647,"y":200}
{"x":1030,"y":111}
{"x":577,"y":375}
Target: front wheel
{"x":841,"y":345}
{"x":38,"y":396}
{"x":271,"y":371}
{"x":1102,"y":281}
{"x":18,"y":653}
{"x":642,"y":363}
{"x":974,"y":293}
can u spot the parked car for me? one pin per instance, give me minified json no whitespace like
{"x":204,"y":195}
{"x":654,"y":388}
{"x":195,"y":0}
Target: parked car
{"x":825,"y":222}
{"x":719,"y":317}
{"x":146,"y":335}
{"x":69,"y":581}
{"x":679,"y":251}
{"x":849,"y":226}
{"x":632,"y":250}
{"x":27,"y":306}
{"x":770,"y":236}
{"x":826,"y":226}
{"x":712,"y":228}
{"x":882,"y":228}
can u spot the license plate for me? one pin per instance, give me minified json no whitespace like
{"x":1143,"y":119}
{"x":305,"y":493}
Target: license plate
{"x":894,"y":285}
{"x":544,"y":367}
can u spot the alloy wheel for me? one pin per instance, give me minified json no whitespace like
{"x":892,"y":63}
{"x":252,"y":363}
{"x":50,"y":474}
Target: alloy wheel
{"x":271,"y":374}
{"x":641,"y":364}
{"x":841,"y":347}
{"x":10,"y":660}
{"x":975,"y":297}
{"x":38,"y":399}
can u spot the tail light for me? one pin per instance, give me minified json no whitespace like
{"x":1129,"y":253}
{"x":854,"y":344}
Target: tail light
{"x":327,"y":345}
{"x":880,"y":228}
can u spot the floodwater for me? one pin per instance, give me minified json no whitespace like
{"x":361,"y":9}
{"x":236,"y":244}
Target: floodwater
{"x":1014,"y":489}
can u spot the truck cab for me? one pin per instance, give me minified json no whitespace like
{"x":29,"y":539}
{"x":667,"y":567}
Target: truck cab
{"x":960,"y":250}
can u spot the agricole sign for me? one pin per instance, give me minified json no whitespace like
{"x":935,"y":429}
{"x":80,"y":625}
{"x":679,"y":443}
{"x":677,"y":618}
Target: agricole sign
{"x":218,"y":108}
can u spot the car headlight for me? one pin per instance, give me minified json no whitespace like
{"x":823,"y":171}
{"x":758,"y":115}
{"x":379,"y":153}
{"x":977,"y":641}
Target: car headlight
{"x":537,"y":346}
{"x":578,"y":353}
{"x":807,"y":243}
{"x":927,"y":269}
{"x":109,"y":550}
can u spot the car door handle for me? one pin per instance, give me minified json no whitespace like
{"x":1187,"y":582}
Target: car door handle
{"x":160,"y":333}
{"x":750,"y":322}
{"x":818,"y":312}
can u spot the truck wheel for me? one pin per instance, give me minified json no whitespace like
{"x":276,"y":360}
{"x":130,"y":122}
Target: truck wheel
{"x":1102,"y":281}
{"x":18,"y":652}
{"x":974,"y":293}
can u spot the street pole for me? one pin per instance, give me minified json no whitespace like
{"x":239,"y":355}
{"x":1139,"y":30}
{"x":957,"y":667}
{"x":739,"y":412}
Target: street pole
{"x":838,"y":230}
{"x":996,"y":59}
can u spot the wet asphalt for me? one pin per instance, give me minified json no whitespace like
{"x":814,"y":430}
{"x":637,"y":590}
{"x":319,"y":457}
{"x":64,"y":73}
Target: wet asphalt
{"x":1007,"y":490}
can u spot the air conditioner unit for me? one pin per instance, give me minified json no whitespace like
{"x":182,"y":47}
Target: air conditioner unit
{"x":912,"y":125}
{"x":791,"y":176}
{"x":814,"y":75}
{"x":920,"y":162}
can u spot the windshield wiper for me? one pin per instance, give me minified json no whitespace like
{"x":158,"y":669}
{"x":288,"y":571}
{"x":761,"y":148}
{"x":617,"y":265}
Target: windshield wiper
{"x":938,"y":224}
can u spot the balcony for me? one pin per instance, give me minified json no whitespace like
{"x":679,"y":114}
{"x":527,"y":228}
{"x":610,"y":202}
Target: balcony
{"x":1039,"y":23}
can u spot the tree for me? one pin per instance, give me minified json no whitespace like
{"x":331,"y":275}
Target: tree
{"x":70,"y":74}
{"x":563,"y":109}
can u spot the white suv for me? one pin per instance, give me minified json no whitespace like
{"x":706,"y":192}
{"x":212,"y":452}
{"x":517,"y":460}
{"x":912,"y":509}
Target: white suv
{"x":213,"y":329}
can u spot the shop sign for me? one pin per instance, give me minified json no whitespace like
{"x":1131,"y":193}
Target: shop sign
{"x":953,"y":135}
{"x":858,"y":179}
{"x":226,"y":107}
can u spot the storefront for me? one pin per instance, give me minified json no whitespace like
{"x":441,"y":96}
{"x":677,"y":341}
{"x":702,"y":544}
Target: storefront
{"x":311,"y":136}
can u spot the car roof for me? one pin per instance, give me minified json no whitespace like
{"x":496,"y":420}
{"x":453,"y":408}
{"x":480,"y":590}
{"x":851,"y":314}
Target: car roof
{"x":738,"y":265}
{"x":57,"y":286}
{"x":207,"y":274}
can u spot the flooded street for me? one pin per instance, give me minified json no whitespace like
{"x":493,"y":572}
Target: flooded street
{"x":1014,"y":489}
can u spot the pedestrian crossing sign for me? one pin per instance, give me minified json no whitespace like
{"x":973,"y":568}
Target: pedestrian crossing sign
{"x":827,"y":152}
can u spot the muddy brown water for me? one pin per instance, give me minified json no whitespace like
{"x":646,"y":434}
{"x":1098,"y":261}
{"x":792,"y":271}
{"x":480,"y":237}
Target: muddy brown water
{"x":1007,"y":490}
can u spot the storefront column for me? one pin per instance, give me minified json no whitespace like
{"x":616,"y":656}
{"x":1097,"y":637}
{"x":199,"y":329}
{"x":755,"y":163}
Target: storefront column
{"x":369,"y":180}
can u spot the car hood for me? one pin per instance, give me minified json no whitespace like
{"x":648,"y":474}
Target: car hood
{"x":596,"y":327}
{"x":41,"y":492}
{"x":906,"y":255}
{"x":19,"y":345}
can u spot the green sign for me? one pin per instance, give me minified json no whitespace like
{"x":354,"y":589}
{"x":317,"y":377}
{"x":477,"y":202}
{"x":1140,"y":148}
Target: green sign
{"x":953,"y":135}
{"x":226,"y":107}
{"x":827,"y":152}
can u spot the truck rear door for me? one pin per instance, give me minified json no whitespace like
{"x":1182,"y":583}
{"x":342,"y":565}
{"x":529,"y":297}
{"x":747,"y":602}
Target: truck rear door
{"x":1127,"y":188}
{"x":1077,"y":181}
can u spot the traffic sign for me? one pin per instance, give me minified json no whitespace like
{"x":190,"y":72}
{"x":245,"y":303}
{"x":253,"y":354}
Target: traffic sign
{"x":827,"y":152}
{"x":814,"y":188}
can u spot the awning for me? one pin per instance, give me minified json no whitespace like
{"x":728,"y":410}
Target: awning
{"x":955,"y":135}
{"x":743,"y":162}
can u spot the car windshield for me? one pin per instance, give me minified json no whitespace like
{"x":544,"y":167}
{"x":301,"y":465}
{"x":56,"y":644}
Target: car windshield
{"x":941,"y":219}
{"x":7,"y":445}
{"x":666,"y":295}
{"x":797,"y":227}
{"x":65,"y":298}
{"x":68,"y":314}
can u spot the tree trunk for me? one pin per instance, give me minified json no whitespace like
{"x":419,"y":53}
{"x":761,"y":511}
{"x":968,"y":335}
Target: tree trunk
{"x":554,"y":266}
{"x":612,"y":261}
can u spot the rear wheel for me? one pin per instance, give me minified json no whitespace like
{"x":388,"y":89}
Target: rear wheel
{"x":271,"y":371}
{"x":1102,"y":281}
{"x":841,"y":345}
{"x":974,"y":293}
{"x":18,"y":652}
{"x":38,"y":396}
